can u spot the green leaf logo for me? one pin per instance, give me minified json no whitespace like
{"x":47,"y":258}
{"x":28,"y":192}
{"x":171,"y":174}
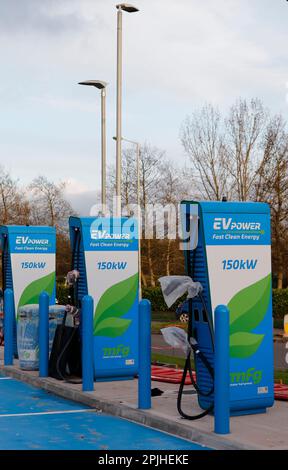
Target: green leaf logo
{"x":243,"y":345}
{"x":31,"y":293}
{"x":115,"y":303}
{"x":247,"y":309}
{"x":112,"y":327}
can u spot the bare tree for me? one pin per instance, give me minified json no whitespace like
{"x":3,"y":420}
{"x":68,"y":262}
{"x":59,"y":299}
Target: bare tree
{"x":150,"y":176}
{"x":202,"y":139}
{"x":49,"y":205}
{"x":63,"y":258}
{"x":173,"y":187}
{"x":14,"y":206}
{"x":151,"y":159}
{"x":128,"y":187}
{"x":273,"y":188}
{"x":245,"y":159}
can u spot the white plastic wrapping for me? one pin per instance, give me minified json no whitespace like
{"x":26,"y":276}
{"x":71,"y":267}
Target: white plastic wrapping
{"x":173,"y":287}
{"x":72,"y":277}
{"x":177,"y":338}
{"x":28,"y":332}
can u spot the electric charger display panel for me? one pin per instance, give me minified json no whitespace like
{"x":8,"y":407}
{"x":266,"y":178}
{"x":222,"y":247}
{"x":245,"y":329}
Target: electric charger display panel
{"x":28,"y":263}
{"x":231,"y":256}
{"x":105,"y":252}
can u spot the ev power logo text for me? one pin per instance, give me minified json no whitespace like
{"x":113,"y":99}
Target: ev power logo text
{"x":104,"y":234}
{"x":228,"y":224}
{"x":25,"y":240}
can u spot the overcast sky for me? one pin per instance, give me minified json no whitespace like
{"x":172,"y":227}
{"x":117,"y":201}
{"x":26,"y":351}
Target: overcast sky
{"x":178,"y":54}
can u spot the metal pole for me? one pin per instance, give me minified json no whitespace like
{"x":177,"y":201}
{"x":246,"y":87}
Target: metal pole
{"x":139,"y":218}
{"x":222,"y":371}
{"x":103,"y":148}
{"x":87,"y":344}
{"x":43,"y":334}
{"x":9,"y":318}
{"x":144,"y":379}
{"x":119,"y":113}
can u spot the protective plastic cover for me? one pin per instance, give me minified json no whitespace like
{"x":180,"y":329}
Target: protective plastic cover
{"x":173,"y":287}
{"x":177,"y":338}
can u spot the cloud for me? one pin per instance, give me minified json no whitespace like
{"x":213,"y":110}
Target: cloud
{"x":75,"y":187}
{"x":177,"y":55}
{"x":44,"y":16}
{"x":205,"y":50}
{"x":62,"y":103}
{"x":188,"y":50}
{"x":83,"y":202}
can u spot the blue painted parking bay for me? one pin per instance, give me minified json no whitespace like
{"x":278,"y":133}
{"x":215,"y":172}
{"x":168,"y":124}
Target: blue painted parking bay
{"x":31,"y":418}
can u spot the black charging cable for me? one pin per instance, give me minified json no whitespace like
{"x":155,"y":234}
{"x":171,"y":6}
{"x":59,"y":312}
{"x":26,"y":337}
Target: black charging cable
{"x":73,"y":291}
{"x":187,"y":368}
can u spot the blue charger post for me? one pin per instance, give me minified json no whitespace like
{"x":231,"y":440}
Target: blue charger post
{"x":87,"y":344}
{"x":144,"y":379}
{"x":222,"y":371}
{"x":9,"y":318}
{"x":43,"y":334}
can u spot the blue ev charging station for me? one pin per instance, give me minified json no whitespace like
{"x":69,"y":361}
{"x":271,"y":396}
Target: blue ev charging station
{"x":105,"y":253}
{"x":28,"y":263}
{"x":228,"y":250}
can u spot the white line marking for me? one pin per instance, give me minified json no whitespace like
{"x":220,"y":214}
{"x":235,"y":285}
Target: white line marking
{"x":46,"y":413}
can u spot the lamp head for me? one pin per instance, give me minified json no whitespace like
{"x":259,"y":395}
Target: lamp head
{"x":96,"y":83}
{"x":127,"y":7}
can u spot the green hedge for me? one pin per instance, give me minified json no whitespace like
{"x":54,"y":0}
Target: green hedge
{"x":62,"y":293}
{"x":154,"y":294}
{"x":280,"y":303}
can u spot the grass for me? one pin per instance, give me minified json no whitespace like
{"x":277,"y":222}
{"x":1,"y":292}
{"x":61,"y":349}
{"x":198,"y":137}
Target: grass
{"x":279,"y":375}
{"x":173,"y":360}
{"x":163,"y":316}
{"x":170,"y":316}
{"x":162,"y":320}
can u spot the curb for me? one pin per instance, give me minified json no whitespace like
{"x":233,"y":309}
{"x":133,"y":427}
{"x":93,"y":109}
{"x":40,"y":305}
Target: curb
{"x":129,"y":412}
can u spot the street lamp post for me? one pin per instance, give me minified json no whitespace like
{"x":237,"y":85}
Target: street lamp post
{"x":137,"y":145}
{"x":130,"y":9}
{"x":101,"y":86}
{"x":139,"y":214}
